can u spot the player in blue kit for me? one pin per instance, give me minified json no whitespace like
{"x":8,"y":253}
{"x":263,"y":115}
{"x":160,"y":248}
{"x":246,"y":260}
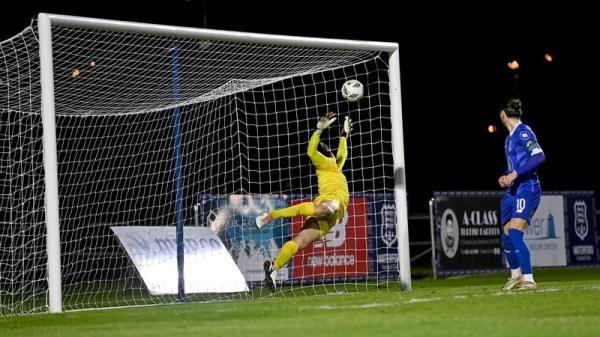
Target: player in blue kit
{"x":523,"y":192}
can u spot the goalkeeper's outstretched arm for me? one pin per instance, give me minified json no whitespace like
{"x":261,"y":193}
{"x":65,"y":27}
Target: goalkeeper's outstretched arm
{"x":315,"y":156}
{"x":342,"y":153}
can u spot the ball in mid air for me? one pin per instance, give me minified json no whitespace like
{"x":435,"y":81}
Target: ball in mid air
{"x":352,"y":90}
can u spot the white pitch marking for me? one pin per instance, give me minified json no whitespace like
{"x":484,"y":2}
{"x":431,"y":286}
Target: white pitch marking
{"x":358,"y":306}
{"x":420,"y":300}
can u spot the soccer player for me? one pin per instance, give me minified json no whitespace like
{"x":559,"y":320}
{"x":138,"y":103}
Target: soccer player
{"x":328,"y":207}
{"x":522,"y":196}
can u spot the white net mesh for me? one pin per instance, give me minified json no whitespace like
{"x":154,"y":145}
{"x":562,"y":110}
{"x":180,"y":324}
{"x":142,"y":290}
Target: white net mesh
{"x":22,"y":227}
{"x":238,"y":115}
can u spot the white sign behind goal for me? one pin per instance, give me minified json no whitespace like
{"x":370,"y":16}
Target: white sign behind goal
{"x":208,"y":266}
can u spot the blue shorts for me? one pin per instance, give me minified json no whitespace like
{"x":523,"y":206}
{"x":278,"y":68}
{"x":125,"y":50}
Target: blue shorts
{"x":521,"y":204}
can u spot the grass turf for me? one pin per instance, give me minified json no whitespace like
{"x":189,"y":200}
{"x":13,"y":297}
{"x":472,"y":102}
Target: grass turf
{"x":567,"y":304}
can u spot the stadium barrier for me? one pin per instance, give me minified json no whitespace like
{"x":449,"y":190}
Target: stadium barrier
{"x":362,"y":246}
{"x":466,"y":230}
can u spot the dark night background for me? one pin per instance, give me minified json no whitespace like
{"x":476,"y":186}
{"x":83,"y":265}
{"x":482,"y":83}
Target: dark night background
{"x":454,"y":74}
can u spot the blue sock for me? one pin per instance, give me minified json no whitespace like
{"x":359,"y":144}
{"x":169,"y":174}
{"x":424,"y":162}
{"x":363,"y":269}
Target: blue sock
{"x":516,"y":236}
{"x":509,"y":251}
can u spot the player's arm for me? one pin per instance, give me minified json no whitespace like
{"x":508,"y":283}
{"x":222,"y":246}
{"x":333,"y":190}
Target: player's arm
{"x":342,"y":153}
{"x":503,"y":179}
{"x":536,"y":155}
{"x":536,"y":158}
{"x":531,"y":164}
{"x":315,"y":156}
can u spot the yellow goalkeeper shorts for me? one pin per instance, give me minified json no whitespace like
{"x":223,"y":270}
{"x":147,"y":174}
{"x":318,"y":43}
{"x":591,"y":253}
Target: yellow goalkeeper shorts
{"x":341,"y":201}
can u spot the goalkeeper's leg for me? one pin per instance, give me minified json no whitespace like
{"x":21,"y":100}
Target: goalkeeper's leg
{"x":307,"y":209}
{"x":309,"y":234}
{"x":302,"y":209}
{"x":321,"y":211}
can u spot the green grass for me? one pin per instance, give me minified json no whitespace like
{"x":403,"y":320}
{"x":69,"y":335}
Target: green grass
{"x":567,"y":304}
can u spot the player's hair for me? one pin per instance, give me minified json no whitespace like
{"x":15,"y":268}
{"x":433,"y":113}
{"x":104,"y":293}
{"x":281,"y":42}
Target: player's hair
{"x":513,"y":108}
{"x":327,"y":150}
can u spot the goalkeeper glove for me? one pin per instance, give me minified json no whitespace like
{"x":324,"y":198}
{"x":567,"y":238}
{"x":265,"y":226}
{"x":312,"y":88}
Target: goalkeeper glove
{"x":347,"y":127}
{"x":326,"y":121}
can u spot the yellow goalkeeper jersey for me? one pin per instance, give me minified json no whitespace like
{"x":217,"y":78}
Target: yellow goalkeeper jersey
{"x":332,"y":182}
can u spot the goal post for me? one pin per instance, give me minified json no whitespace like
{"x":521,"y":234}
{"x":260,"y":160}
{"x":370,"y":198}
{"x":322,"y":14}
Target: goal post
{"x":50,"y":165}
{"x":140,"y":120}
{"x":399,"y":172}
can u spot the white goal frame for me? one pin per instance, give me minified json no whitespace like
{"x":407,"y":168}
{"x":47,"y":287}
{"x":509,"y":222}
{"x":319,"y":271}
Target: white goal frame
{"x":46,"y":21}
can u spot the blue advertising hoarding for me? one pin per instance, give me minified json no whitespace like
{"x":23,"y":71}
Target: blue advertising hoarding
{"x":232,"y":218}
{"x":562,"y":232}
{"x":383,"y":243}
{"x":582,"y":244}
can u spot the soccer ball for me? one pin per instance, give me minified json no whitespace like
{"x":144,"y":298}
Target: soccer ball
{"x":352,"y":90}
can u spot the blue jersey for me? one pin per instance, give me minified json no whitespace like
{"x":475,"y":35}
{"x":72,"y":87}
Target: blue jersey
{"x":520,"y":145}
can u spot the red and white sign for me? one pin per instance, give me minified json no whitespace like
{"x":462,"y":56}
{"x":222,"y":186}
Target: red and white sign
{"x":342,"y":252}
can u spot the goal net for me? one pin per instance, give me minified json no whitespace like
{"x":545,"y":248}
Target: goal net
{"x":168,"y":138}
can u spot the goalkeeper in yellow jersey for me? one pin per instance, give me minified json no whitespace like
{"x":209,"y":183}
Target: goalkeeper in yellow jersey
{"x":326,"y":210}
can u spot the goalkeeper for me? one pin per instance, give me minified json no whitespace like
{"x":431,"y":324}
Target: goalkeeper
{"x":326,"y":210}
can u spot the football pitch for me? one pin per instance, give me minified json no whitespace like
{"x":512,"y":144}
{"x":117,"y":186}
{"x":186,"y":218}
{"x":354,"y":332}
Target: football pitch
{"x":567,"y":304}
